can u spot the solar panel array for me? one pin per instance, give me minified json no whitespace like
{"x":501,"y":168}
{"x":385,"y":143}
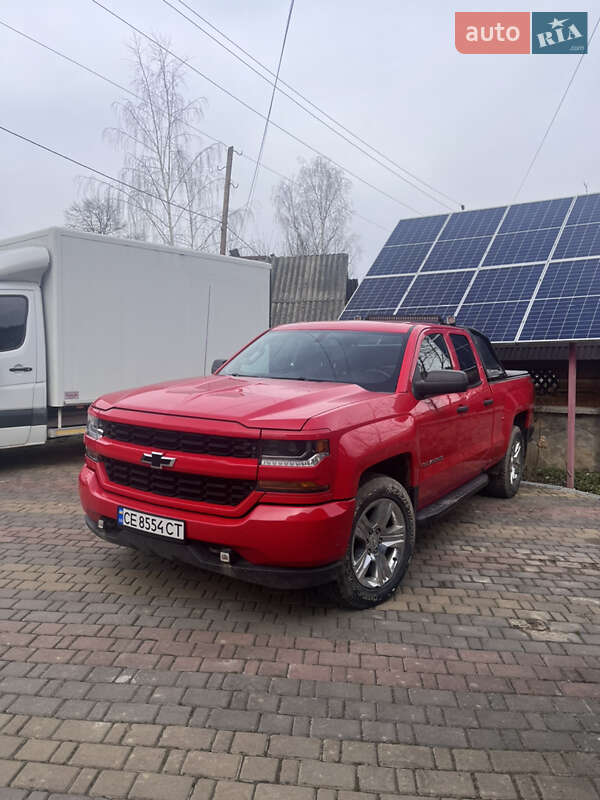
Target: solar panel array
{"x":527,"y":272}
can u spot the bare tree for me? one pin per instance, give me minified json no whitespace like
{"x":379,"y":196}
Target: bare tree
{"x":175,"y":183}
{"x":100,"y":210}
{"x":314,"y":210}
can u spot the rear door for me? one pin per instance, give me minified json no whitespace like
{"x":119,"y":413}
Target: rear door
{"x":17,"y":366}
{"x":437,"y":425}
{"x":476,"y":412}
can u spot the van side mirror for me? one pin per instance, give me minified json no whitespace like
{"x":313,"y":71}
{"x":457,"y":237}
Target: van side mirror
{"x":218,"y":362}
{"x":440,"y":381}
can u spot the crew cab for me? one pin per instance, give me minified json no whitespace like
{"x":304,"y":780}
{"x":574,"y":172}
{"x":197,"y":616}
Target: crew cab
{"x":310,"y":456}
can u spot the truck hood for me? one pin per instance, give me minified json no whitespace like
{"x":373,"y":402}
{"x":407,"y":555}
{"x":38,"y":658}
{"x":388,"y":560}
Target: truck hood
{"x":252,"y":402}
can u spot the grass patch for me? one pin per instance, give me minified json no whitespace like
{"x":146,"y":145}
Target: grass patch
{"x":584,"y":481}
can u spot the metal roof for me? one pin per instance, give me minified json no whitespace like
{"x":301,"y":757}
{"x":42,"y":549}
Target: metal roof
{"x":308,"y":288}
{"x":547,"y":351}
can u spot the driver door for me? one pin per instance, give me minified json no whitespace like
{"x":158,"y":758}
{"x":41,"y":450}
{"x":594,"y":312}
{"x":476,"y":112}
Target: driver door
{"x":17,"y":366}
{"x":437,"y":426}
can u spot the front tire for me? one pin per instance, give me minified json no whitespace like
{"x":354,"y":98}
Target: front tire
{"x":380,"y":547}
{"x":505,"y":477}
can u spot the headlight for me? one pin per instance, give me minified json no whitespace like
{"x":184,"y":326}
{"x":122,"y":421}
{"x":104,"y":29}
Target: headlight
{"x":94,"y":429}
{"x":293,"y":453}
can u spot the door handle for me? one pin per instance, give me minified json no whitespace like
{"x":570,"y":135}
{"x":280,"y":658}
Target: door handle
{"x":489,"y":401}
{"x":462,"y":409}
{"x":20,"y":368}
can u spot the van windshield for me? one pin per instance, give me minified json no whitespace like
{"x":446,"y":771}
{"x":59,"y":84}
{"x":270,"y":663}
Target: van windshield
{"x":368,"y":358}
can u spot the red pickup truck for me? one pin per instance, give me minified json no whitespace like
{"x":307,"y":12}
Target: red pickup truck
{"x":311,"y":455}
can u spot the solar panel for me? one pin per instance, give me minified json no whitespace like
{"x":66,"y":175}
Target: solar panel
{"x":571,"y":279}
{"x":472,"y":223}
{"x":570,"y":318}
{"x":530,"y":216}
{"x":515,"y":248}
{"x":526,"y":272}
{"x":457,"y":253}
{"x":586,"y":209}
{"x":421,"y":229}
{"x":399,"y":258}
{"x":428,"y":289}
{"x":506,"y":283}
{"x":379,"y":294}
{"x":579,"y":240}
{"x":499,"y":321}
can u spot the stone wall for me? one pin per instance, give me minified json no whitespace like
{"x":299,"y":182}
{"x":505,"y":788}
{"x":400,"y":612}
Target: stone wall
{"x":548,"y":447}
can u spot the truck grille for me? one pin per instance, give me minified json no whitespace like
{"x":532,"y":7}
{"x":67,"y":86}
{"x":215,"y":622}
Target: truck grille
{"x":183,"y":485}
{"x":184,"y":442}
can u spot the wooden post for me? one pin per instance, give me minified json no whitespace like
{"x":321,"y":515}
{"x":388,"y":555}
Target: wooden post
{"x":571,"y":412}
{"x":225,"y":215}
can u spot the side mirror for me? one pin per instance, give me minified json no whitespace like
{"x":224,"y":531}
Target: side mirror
{"x":218,"y":362}
{"x":440,"y":381}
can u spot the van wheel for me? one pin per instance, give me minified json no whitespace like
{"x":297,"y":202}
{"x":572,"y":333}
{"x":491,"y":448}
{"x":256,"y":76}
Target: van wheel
{"x":380,"y":547}
{"x":505,"y":477}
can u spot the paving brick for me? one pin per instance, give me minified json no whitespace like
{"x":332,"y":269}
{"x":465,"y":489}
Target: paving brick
{"x":148,"y":786}
{"x":82,"y":731}
{"x":495,"y":787}
{"x":146,"y":759}
{"x":445,"y":784}
{"x":113,"y":784}
{"x":259,"y":768}
{"x":405,"y":756}
{"x":49,"y":777}
{"x":252,"y":744}
{"x":36,"y":750}
{"x":229,"y":790}
{"x":376,"y":779}
{"x":318,"y":773}
{"x":211,"y":765}
{"x":103,"y":756}
{"x":359,"y":753}
{"x":233,"y":720}
{"x":294,"y":747}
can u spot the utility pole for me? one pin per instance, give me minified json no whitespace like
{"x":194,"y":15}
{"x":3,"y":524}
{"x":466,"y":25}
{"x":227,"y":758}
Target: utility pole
{"x":225,"y":216}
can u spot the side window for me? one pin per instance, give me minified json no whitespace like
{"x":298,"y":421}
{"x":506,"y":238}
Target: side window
{"x":466,"y":357}
{"x":433,"y":354}
{"x":493,"y":368}
{"x":13,"y":321}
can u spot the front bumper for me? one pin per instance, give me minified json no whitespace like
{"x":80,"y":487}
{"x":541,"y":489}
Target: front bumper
{"x":276,"y":545}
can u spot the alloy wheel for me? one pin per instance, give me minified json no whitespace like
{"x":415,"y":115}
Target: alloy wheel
{"x":378,"y":543}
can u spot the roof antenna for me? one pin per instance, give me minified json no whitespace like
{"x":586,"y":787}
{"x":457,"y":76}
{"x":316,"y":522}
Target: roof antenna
{"x":587,"y":191}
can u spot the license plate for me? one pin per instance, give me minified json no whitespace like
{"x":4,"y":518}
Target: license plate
{"x":148,"y":523}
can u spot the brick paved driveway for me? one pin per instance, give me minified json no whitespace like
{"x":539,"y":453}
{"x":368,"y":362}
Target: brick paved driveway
{"x":121,"y":676}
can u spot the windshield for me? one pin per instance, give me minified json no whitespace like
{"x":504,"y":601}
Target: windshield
{"x":368,"y":358}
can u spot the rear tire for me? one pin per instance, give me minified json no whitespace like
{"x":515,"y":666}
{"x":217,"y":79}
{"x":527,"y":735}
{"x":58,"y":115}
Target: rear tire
{"x":380,"y":547}
{"x":505,"y":477}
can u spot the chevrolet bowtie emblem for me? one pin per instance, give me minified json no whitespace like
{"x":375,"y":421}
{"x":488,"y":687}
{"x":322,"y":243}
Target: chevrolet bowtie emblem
{"x":157,"y":460}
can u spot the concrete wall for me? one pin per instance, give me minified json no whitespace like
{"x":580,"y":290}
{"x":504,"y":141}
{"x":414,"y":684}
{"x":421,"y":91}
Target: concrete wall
{"x":548,"y":447}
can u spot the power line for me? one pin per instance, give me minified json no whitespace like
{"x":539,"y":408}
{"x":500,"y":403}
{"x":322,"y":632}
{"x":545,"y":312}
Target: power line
{"x":306,"y":100}
{"x":246,"y":105}
{"x":130,"y":92}
{"x":276,"y":87}
{"x":264,"y":135}
{"x":555,"y":115}
{"x":117,"y":180}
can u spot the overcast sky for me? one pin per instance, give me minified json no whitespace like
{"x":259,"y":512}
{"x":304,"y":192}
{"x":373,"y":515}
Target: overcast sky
{"x":466,"y":124}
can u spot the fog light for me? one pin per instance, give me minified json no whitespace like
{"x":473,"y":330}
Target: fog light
{"x":92,"y":455}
